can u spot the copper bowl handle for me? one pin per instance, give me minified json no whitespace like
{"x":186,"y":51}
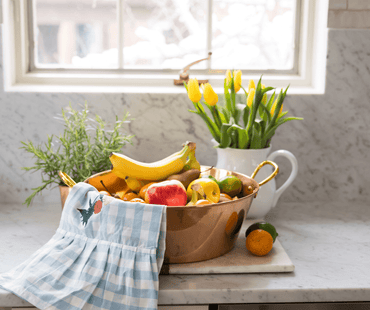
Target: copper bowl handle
{"x":66,"y":179}
{"x":269,"y":177}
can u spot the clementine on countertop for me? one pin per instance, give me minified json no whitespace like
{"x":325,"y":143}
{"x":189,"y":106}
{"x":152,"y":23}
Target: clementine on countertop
{"x":259,"y":242}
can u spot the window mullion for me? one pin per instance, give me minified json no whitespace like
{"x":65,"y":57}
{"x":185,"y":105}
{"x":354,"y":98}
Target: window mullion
{"x":297,"y":35}
{"x":31,"y":27}
{"x":120,"y":33}
{"x":209,"y":31}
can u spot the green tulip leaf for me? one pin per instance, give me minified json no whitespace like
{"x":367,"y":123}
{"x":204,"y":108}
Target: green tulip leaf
{"x":246,"y":116}
{"x":260,"y":126}
{"x":282,"y":115}
{"x":256,"y":141}
{"x":266,"y":89}
{"x":270,"y":102}
{"x":225,"y":139}
{"x":266,"y":113}
{"x":226,"y":114}
{"x":241,"y":134}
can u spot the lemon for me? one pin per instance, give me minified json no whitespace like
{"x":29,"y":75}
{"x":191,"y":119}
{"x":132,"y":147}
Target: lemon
{"x":208,"y":190}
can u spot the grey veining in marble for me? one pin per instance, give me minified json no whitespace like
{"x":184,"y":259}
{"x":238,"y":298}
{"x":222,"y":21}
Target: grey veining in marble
{"x":332,"y":144}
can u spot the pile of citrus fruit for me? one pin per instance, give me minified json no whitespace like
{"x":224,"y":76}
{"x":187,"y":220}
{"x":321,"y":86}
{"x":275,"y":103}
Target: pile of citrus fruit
{"x":260,"y":238}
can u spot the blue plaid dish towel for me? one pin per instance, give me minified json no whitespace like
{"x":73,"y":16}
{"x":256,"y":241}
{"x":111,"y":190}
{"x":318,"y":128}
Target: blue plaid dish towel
{"x":106,"y":254}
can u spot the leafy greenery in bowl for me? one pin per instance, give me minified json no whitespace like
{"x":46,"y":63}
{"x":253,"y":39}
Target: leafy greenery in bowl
{"x":241,"y":126}
{"x":76,"y":152}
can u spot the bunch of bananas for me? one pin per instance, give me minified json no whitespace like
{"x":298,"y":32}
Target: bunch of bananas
{"x":126,"y":167}
{"x":138,"y":174}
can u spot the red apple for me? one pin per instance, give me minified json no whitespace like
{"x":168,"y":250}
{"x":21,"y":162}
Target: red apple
{"x":169,"y":193}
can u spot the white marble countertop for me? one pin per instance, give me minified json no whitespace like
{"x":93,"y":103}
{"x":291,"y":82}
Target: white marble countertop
{"x":328,"y":243}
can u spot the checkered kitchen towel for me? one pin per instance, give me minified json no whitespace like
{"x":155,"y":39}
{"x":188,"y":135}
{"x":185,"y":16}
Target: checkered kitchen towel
{"x":106,"y":254}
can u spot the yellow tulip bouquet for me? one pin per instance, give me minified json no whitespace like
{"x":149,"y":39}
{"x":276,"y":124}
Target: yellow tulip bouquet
{"x":260,"y":115}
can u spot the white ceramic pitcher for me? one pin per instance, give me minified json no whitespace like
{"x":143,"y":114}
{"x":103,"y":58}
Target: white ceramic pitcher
{"x":245,"y":161}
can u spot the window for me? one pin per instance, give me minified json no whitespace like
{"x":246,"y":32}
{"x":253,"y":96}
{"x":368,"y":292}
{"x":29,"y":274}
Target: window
{"x":141,"y":45}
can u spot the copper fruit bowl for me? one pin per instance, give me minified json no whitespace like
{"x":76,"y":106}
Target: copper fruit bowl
{"x":199,"y":233}
{"x":203,"y":232}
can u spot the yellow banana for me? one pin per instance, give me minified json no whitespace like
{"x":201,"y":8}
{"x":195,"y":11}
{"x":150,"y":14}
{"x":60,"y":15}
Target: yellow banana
{"x":177,"y":153}
{"x":192,"y":162}
{"x":124,"y":166}
{"x":135,"y":184}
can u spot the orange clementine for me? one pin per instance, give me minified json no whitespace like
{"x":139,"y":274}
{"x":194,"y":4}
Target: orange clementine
{"x":130,"y":196}
{"x":137,"y":200}
{"x":259,"y":242}
{"x":121,"y":194}
{"x":110,"y":180}
{"x":144,"y":189}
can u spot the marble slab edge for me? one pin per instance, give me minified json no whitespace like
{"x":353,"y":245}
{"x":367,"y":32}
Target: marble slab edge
{"x":239,"y":261}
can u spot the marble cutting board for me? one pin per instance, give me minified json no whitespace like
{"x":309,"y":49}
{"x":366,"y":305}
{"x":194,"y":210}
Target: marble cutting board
{"x":238,"y":260}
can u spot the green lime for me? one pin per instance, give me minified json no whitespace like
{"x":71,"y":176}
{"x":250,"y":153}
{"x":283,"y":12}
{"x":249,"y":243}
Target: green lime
{"x":230,"y":184}
{"x":264,"y":226}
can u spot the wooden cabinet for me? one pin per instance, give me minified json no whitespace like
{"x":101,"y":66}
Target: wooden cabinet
{"x":300,"y":306}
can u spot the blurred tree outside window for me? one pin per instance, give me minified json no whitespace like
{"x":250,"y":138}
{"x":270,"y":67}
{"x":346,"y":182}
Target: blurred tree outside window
{"x":165,"y":34}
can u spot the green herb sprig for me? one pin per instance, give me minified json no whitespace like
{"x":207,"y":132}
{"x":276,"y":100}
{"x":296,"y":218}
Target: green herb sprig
{"x":76,"y":152}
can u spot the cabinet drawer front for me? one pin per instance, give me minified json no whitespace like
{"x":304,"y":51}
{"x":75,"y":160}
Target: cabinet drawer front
{"x":300,"y":306}
{"x":29,"y":308}
{"x":195,"y":307}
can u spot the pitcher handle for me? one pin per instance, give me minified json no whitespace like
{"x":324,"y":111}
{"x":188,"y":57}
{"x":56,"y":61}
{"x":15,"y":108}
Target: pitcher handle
{"x":269,"y":178}
{"x":292,"y":176}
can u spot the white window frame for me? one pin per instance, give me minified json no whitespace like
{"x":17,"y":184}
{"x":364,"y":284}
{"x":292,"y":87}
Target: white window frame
{"x":309,"y":77}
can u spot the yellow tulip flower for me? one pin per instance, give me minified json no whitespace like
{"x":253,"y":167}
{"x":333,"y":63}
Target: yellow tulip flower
{"x":228,"y":76}
{"x":209,"y":94}
{"x":194,"y":93}
{"x":250,"y":97}
{"x":251,"y":85}
{"x":237,"y":80}
{"x":274,"y":107}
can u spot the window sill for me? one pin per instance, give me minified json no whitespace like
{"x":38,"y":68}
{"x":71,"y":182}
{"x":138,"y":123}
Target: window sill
{"x":47,"y":83}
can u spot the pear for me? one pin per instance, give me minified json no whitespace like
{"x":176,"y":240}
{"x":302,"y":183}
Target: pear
{"x":186,"y":177}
